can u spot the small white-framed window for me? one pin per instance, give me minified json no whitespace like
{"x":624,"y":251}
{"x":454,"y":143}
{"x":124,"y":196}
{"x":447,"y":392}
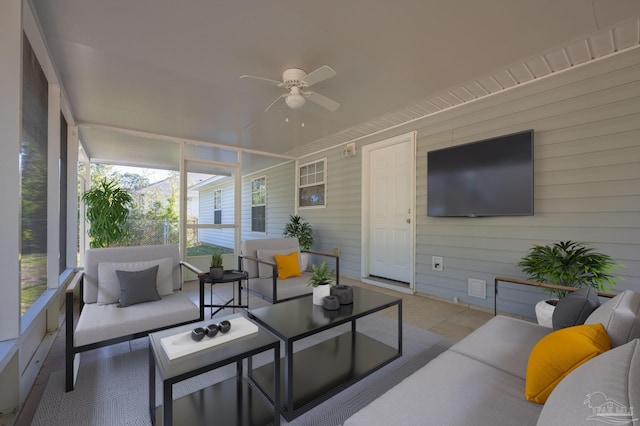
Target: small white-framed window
{"x":312,"y":184}
{"x":217,"y":206}
{"x":258,"y":204}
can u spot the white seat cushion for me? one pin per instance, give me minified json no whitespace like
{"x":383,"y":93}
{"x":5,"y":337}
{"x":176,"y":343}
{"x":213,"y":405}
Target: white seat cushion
{"x":98,"y":323}
{"x":510,"y":351}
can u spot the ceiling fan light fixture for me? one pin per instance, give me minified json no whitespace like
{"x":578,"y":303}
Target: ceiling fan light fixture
{"x":294,"y":100}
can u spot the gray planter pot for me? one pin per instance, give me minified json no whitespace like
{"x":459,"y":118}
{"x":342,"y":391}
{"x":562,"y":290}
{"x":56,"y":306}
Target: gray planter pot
{"x":216,"y":273}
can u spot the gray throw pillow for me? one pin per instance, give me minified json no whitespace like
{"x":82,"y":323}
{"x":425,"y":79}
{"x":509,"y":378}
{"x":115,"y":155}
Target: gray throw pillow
{"x":575,"y":308}
{"x":138,"y":286}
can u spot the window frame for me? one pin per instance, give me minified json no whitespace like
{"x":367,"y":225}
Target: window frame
{"x":263,"y":205}
{"x":217,"y":207}
{"x":300,"y":186}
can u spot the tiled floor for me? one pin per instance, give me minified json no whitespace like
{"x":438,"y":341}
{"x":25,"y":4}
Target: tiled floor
{"x":448,"y":319}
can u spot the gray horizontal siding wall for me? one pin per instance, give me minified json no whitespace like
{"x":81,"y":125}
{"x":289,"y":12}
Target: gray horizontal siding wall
{"x":587,"y":183}
{"x":280,"y":201}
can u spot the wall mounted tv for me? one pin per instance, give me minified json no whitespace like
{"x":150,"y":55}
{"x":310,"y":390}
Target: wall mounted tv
{"x":492,"y":177}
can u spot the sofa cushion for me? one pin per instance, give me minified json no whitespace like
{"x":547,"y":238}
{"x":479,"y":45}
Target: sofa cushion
{"x":288,"y":265}
{"x":587,"y":394}
{"x":510,"y":351}
{"x":98,"y":323}
{"x":109,"y":285}
{"x":138,"y":286}
{"x":575,"y":308}
{"x":452,"y":390}
{"x":620,"y":317}
{"x":559,"y":353}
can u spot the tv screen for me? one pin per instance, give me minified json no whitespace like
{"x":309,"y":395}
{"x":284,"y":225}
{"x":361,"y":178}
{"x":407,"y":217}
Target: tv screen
{"x":492,"y":177}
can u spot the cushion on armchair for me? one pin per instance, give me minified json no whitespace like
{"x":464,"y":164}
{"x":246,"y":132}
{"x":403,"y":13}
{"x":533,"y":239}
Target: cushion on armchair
{"x":266,"y":271}
{"x":288,"y":265}
{"x":138,"y":286}
{"x":109,"y":284}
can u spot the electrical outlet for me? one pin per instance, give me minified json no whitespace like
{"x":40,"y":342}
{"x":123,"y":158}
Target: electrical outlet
{"x":436,"y":263}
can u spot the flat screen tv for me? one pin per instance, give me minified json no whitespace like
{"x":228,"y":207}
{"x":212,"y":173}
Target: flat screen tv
{"x":492,"y":177}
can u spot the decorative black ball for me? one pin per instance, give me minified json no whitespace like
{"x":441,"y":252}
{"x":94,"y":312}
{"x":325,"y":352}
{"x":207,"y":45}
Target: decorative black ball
{"x":197,"y":334}
{"x":212,"y":330}
{"x":224,"y":326}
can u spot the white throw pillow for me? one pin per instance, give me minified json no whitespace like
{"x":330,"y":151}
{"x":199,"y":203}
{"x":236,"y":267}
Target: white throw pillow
{"x":266,"y":271}
{"x":620,"y":317}
{"x":109,"y":285}
{"x":604,"y":390}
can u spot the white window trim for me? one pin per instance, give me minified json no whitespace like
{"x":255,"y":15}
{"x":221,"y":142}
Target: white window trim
{"x":324,"y":182}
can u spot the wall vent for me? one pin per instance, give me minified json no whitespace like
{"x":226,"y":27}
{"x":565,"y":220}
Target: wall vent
{"x":477,"y":288}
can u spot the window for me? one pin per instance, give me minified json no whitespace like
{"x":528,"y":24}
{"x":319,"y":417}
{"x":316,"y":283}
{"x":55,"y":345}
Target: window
{"x":217,"y":206}
{"x":258,"y":204}
{"x":312,"y":184}
{"x":33,"y":175}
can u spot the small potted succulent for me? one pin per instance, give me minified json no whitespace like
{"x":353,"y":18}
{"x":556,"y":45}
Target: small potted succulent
{"x":321,"y":279}
{"x":216,"y":271}
{"x":570,"y":264}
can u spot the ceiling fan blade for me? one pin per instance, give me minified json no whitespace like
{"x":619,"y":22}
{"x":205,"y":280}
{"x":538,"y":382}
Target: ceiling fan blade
{"x":274,"y":102}
{"x":322,"y":73}
{"x":268,"y":80}
{"x":323,"y":101}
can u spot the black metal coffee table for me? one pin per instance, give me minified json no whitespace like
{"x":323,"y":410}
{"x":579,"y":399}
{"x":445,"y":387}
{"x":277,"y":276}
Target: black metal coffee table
{"x":311,"y":376}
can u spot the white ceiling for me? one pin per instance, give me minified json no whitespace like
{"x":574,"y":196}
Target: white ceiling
{"x":131,"y":69}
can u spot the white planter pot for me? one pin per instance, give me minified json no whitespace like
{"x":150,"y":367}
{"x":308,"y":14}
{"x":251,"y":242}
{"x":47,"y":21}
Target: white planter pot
{"x":544,"y":313}
{"x":304,"y":261}
{"x":319,"y":292}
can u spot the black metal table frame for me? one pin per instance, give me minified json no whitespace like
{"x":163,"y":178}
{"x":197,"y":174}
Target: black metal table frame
{"x":291,"y":413}
{"x":167,"y":384}
{"x":230,"y":276}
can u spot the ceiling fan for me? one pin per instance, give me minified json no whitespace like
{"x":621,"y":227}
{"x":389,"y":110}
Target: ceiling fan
{"x":296,"y":81}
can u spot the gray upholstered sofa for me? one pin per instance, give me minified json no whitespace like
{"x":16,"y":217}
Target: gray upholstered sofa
{"x":257,"y":258}
{"x":102,"y":321}
{"x":481,"y":379}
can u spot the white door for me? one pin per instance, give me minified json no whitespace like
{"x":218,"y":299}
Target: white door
{"x":389,"y":209}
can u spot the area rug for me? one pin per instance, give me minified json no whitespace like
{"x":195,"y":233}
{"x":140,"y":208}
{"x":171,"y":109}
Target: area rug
{"x":112,"y":386}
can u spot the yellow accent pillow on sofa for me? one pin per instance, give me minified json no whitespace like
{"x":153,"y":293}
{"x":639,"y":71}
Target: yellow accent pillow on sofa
{"x":288,"y":265}
{"x":559,"y":353}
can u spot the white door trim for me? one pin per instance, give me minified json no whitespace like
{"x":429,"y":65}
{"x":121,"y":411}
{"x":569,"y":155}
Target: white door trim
{"x":366,"y":194}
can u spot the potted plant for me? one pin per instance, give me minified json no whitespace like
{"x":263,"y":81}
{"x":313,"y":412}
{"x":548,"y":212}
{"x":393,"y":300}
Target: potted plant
{"x":321,"y":279}
{"x":107,"y":212}
{"x":570,"y":264}
{"x":299,"y":228}
{"x":216,"y":271}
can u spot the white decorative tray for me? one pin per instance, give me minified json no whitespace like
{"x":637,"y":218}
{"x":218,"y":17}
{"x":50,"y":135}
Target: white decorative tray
{"x":182,"y":344}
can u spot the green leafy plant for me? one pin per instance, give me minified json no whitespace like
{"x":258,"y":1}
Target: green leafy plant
{"x":216,"y":260}
{"x":569,"y":264}
{"x":108,"y":208}
{"x":321,"y":275}
{"x":300,"y":228}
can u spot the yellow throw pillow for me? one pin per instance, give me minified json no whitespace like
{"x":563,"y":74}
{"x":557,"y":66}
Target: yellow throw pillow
{"x":288,"y":265}
{"x":559,"y":353}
